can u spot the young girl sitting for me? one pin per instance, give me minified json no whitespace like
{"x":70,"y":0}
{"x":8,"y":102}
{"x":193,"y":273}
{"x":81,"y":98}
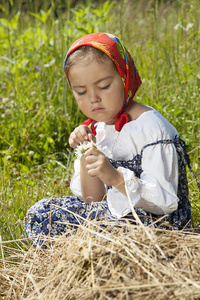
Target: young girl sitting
{"x":137,"y":157}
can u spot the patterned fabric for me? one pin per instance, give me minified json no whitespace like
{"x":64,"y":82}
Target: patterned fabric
{"x":64,"y":212}
{"x":55,"y":215}
{"x":115,"y":49}
{"x":181,"y":218}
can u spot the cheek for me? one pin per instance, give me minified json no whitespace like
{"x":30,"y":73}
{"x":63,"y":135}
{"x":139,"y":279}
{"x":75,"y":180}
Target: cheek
{"x":82,"y":106}
{"x":120,"y":93}
{"x":78,"y":102}
{"x":122,"y":90}
{"x":119,"y":89}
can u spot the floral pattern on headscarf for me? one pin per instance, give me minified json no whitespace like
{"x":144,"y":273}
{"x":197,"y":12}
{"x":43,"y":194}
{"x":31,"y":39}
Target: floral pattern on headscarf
{"x":115,"y":49}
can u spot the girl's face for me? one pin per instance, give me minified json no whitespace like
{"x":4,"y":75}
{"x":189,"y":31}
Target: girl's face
{"x":98,"y":90}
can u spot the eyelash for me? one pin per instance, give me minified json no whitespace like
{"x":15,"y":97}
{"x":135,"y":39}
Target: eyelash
{"x":102,"y":88}
{"x":105,"y":87}
{"x":81,"y":94}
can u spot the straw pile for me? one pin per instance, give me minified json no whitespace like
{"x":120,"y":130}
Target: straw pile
{"x":127,"y":262}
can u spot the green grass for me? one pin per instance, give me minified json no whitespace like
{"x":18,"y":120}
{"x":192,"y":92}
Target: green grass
{"x":37,"y":111}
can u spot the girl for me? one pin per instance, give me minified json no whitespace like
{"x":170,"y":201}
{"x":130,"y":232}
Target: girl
{"x":138,"y":155}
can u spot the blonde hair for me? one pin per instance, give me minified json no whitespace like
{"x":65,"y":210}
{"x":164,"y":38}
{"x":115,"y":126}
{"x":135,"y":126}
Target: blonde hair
{"x":85,"y":54}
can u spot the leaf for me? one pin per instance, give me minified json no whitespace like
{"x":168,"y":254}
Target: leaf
{"x":107,"y":7}
{"x":4,"y":22}
{"x":5,"y":140}
{"x":24,"y":169}
{"x":48,"y":144}
{"x":14,"y":21}
{"x":42,"y":16}
{"x":2,"y":8}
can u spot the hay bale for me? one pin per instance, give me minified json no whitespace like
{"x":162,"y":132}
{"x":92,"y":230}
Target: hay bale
{"x":126,"y":262}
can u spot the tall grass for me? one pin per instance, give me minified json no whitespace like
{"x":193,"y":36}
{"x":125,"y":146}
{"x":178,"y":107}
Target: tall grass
{"x":37,"y":111}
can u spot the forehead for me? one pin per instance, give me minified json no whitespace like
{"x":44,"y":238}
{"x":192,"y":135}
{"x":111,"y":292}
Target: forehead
{"x":92,"y":69}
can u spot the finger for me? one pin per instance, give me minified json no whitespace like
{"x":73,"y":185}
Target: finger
{"x":93,"y":171}
{"x":76,"y":138}
{"x":92,"y":137}
{"x":92,"y":151}
{"x":91,"y":159}
{"x":79,"y":135}
{"x":83,"y":133}
{"x":72,"y":143}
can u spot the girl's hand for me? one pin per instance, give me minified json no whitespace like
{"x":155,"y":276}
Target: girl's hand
{"x":98,"y":165}
{"x":80,"y":134}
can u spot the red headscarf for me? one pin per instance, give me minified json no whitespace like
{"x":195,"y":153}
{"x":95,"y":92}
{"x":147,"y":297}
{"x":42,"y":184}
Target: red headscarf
{"x":114,"y":48}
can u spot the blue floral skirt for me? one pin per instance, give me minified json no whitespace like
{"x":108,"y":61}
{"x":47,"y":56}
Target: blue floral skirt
{"x":53,"y":216}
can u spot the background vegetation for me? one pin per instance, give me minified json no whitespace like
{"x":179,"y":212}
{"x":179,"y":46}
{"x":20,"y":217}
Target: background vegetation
{"x":37,"y":111}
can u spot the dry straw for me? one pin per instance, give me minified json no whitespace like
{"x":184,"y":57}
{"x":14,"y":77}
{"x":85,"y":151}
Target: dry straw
{"x":116,"y":261}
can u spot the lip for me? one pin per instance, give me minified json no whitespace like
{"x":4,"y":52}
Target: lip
{"x":97,"y":109}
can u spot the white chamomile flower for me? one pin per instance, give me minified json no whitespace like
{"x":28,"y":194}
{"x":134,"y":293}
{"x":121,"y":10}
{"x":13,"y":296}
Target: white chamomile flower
{"x":82,"y":148}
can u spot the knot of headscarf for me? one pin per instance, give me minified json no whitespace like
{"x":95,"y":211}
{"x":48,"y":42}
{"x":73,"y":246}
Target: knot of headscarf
{"x":114,"y":48}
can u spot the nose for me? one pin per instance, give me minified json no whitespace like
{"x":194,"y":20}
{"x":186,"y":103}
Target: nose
{"x":94,"y":97}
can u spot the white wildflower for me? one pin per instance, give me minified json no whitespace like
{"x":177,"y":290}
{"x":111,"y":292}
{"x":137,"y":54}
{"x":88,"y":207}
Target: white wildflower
{"x":176,"y":26}
{"x":189,"y":26}
{"x":82,"y":148}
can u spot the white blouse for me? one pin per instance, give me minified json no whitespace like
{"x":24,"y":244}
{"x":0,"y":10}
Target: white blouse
{"x":156,"y":191}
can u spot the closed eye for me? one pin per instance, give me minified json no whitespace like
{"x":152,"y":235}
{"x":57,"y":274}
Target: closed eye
{"x":105,"y":87}
{"x":81,"y":93}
